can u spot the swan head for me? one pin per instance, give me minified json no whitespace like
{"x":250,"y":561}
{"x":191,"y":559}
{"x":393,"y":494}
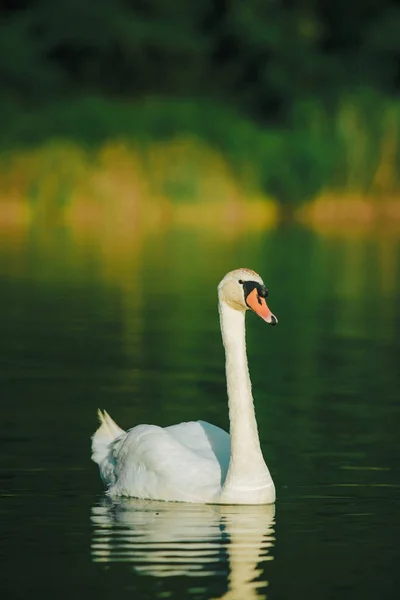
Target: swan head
{"x":243,"y":289}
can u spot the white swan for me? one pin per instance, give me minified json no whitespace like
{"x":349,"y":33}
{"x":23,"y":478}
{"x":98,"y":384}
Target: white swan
{"x":197,"y":461}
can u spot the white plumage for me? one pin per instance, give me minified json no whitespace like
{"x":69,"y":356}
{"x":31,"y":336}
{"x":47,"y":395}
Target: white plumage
{"x":196,"y":461}
{"x":186,"y":462}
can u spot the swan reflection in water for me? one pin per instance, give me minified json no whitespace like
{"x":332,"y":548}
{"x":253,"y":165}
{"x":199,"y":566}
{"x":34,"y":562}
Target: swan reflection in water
{"x":173,"y":539}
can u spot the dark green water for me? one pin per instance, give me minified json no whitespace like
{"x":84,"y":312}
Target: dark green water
{"x":129,"y":323}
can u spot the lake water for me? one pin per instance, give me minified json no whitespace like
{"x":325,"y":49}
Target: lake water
{"x":127,"y":321}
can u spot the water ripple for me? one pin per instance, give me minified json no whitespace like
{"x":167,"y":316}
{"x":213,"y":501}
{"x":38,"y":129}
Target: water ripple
{"x":167,"y":539}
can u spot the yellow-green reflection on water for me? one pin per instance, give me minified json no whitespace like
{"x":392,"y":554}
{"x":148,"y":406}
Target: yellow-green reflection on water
{"x":125,"y":318}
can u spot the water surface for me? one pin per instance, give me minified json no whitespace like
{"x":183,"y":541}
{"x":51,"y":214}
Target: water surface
{"x":128,"y":322}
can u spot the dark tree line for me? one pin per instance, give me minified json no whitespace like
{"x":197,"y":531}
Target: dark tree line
{"x":260,"y":56}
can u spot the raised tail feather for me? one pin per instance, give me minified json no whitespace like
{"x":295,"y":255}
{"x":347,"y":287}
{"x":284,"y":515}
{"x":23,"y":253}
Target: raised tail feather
{"x":106,"y":433}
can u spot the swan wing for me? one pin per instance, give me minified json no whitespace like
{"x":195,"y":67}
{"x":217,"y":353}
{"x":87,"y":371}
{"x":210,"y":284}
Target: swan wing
{"x":174,"y":463}
{"x":205,"y":439}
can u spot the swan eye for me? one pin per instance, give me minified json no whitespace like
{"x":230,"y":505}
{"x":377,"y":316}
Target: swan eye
{"x":241,"y":281}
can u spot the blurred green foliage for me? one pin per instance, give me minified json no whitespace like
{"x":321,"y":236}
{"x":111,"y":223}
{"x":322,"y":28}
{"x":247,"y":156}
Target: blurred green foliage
{"x":297,"y":77}
{"x":352,"y":149}
{"x":261,"y":56}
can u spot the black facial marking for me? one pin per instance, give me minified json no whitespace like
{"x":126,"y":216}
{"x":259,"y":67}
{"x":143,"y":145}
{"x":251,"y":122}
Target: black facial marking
{"x":248,"y":287}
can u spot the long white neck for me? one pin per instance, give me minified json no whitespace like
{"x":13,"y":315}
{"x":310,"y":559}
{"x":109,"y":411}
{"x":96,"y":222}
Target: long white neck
{"x":248,"y":478}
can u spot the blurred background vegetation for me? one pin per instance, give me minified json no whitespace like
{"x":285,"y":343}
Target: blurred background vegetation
{"x":289,"y":105}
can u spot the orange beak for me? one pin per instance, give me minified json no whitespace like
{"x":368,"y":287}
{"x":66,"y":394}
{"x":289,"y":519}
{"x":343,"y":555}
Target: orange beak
{"x":260,"y":307}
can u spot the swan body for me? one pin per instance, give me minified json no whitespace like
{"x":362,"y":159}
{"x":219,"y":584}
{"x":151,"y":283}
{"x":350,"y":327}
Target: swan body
{"x":197,"y":461}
